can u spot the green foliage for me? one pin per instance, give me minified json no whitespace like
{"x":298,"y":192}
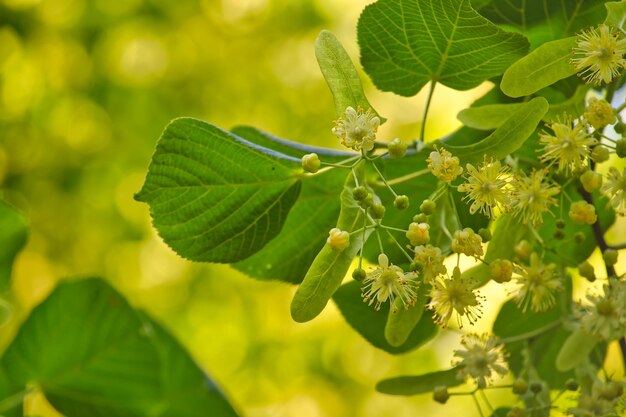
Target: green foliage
{"x":214,"y":196}
{"x":575,"y":350}
{"x":371,"y":323}
{"x":400,"y":323}
{"x":405,"y":44}
{"x":616,"y":14}
{"x":489,"y":116}
{"x":13,"y":235}
{"x":420,"y":384}
{"x":90,"y":353}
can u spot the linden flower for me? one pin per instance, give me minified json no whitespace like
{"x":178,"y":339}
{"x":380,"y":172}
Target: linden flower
{"x":599,"y":113}
{"x":481,"y":357}
{"x":537,"y":283}
{"x":443,"y":165}
{"x":388,"y":282}
{"x":569,"y":147}
{"x":605,"y":317}
{"x":357,"y":129}
{"x":338,"y":239}
{"x":598,"y":55}
{"x":532,"y":196}
{"x":486,"y":187}
{"x":582,"y":212}
{"x":430,"y":259}
{"x":468,"y":242}
{"x":454,"y":295}
{"x":615,"y":189}
{"x":418,"y":233}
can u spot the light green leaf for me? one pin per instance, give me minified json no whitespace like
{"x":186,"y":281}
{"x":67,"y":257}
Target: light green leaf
{"x":445,"y":220}
{"x":407,"y":43}
{"x":488,"y":117}
{"x":91,"y":354}
{"x":419,"y":384}
{"x":370,"y":323}
{"x":341,"y":76}
{"x":507,"y":138}
{"x":215,"y":197}
{"x":616,"y":13}
{"x":401,"y":323}
{"x":573,"y":106}
{"x":13,"y":235}
{"x":330,"y":266}
{"x":575,"y":350}
{"x":542,"y":67}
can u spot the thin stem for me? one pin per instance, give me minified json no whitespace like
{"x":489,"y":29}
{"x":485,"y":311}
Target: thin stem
{"x":400,"y":246}
{"x":362,"y":241}
{"x":531,"y":334}
{"x":356,"y":180}
{"x":426,"y":108}
{"x":393,"y":228}
{"x":384,"y":180}
{"x":485,"y":399}
{"x":408,"y":177}
{"x":380,"y":242}
{"x":480,"y":411}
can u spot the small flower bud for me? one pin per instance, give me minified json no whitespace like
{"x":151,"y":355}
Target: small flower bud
{"x":579,"y":237}
{"x":536,"y":387}
{"x":311,"y":163}
{"x":586,"y":270}
{"x":560,"y":224}
{"x":600,"y":154}
{"x":440,"y":394}
{"x":559,"y":234}
{"x":359,"y":193}
{"x":620,"y":148}
{"x":520,"y":386}
{"x":523,"y":249}
{"x":428,"y":207}
{"x":501,"y":270}
{"x":420,"y":218}
{"x":485,"y":234}
{"x":401,"y":202}
{"x":418,"y":233}
{"x":591,"y":181}
{"x":396,"y":148}
{"x":367,"y":202}
{"x":599,"y":113}
{"x":571,"y":384}
{"x":610,"y":257}
{"x":468,"y":242}
{"x":582,"y":212}
{"x":359,"y":274}
{"x":338,"y":239}
{"x":377,"y":211}
{"x":620,"y":127}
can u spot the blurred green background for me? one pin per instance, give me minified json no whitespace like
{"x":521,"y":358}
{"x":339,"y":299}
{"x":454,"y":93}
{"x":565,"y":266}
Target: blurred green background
{"x":86,"y":87}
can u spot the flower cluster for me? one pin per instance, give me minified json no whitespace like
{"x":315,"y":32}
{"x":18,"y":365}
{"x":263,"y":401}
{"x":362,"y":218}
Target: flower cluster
{"x":605,"y":315}
{"x":599,"y":54}
{"x":389,"y":282}
{"x":357,"y":129}
{"x":537,"y":284}
{"x":455,"y":295}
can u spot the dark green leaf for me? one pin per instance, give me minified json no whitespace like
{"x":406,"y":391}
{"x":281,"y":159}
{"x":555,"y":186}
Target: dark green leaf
{"x":214,"y":196}
{"x":371,"y":323}
{"x":419,"y":384}
{"x":407,"y":43}
{"x":341,"y":76}
{"x":91,"y":354}
{"x":500,"y":412}
{"x":13,"y":235}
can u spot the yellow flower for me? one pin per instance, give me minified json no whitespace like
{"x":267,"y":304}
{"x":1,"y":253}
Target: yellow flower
{"x":454,"y":295}
{"x":582,"y":212}
{"x":605,"y":317}
{"x":532,"y":197}
{"x":615,"y":189}
{"x":388,"y":282}
{"x":430,"y":259}
{"x":443,"y":165}
{"x":536,"y":285}
{"x":480,"y":358}
{"x":569,"y":146}
{"x":338,"y":239}
{"x":486,"y":187}
{"x":598,"y":54}
{"x":418,"y":233}
{"x":468,"y":242}
{"x":599,"y":113}
{"x":357,"y":129}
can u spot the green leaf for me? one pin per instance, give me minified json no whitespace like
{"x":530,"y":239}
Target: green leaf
{"x":289,"y":255}
{"x":573,"y":106}
{"x":542,"y":67}
{"x":500,"y":412}
{"x":444,"y":221}
{"x":401,"y":323}
{"x":407,"y":43}
{"x":13,"y":235}
{"x":575,"y":350}
{"x":330,"y":266}
{"x":370,"y":323}
{"x":10,"y":396}
{"x":215,"y":197}
{"x":507,"y":138}
{"x":616,"y":13}
{"x":488,"y":117}
{"x":341,"y":76}
{"x":91,"y":354}
{"x":420,"y":384}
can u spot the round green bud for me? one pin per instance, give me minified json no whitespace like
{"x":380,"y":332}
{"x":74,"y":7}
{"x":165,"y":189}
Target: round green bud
{"x":520,"y":386}
{"x":311,"y":163}
{"x":620,"y":148}
{"x":560,"y":224}
{"x":485,"y":234}
{"x":559,"y":234}
{"x":610,"y":257}
{"x":428,"y":207}
{"x":536,"y":387}
{"x":571,"y":384}
{"x":587,"y":271}
{"x":440,"y":394}
{"x":579,"y":237}
{"x":516,"y":412}
{"x":501,"y":270}
{"x":359,"y":193}
{"x":359,"y":274}
{"x":620,"y":127}
{"x":396,"y":148}
{"x":401,"y":202}
{"x":420,"y":218}
{"x":367,"y":202}
{"x":377,"y":211}
{"x":600,"y":154}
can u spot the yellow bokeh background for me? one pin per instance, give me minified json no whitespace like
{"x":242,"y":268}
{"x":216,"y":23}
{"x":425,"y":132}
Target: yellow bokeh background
{"x":86,"y":87}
